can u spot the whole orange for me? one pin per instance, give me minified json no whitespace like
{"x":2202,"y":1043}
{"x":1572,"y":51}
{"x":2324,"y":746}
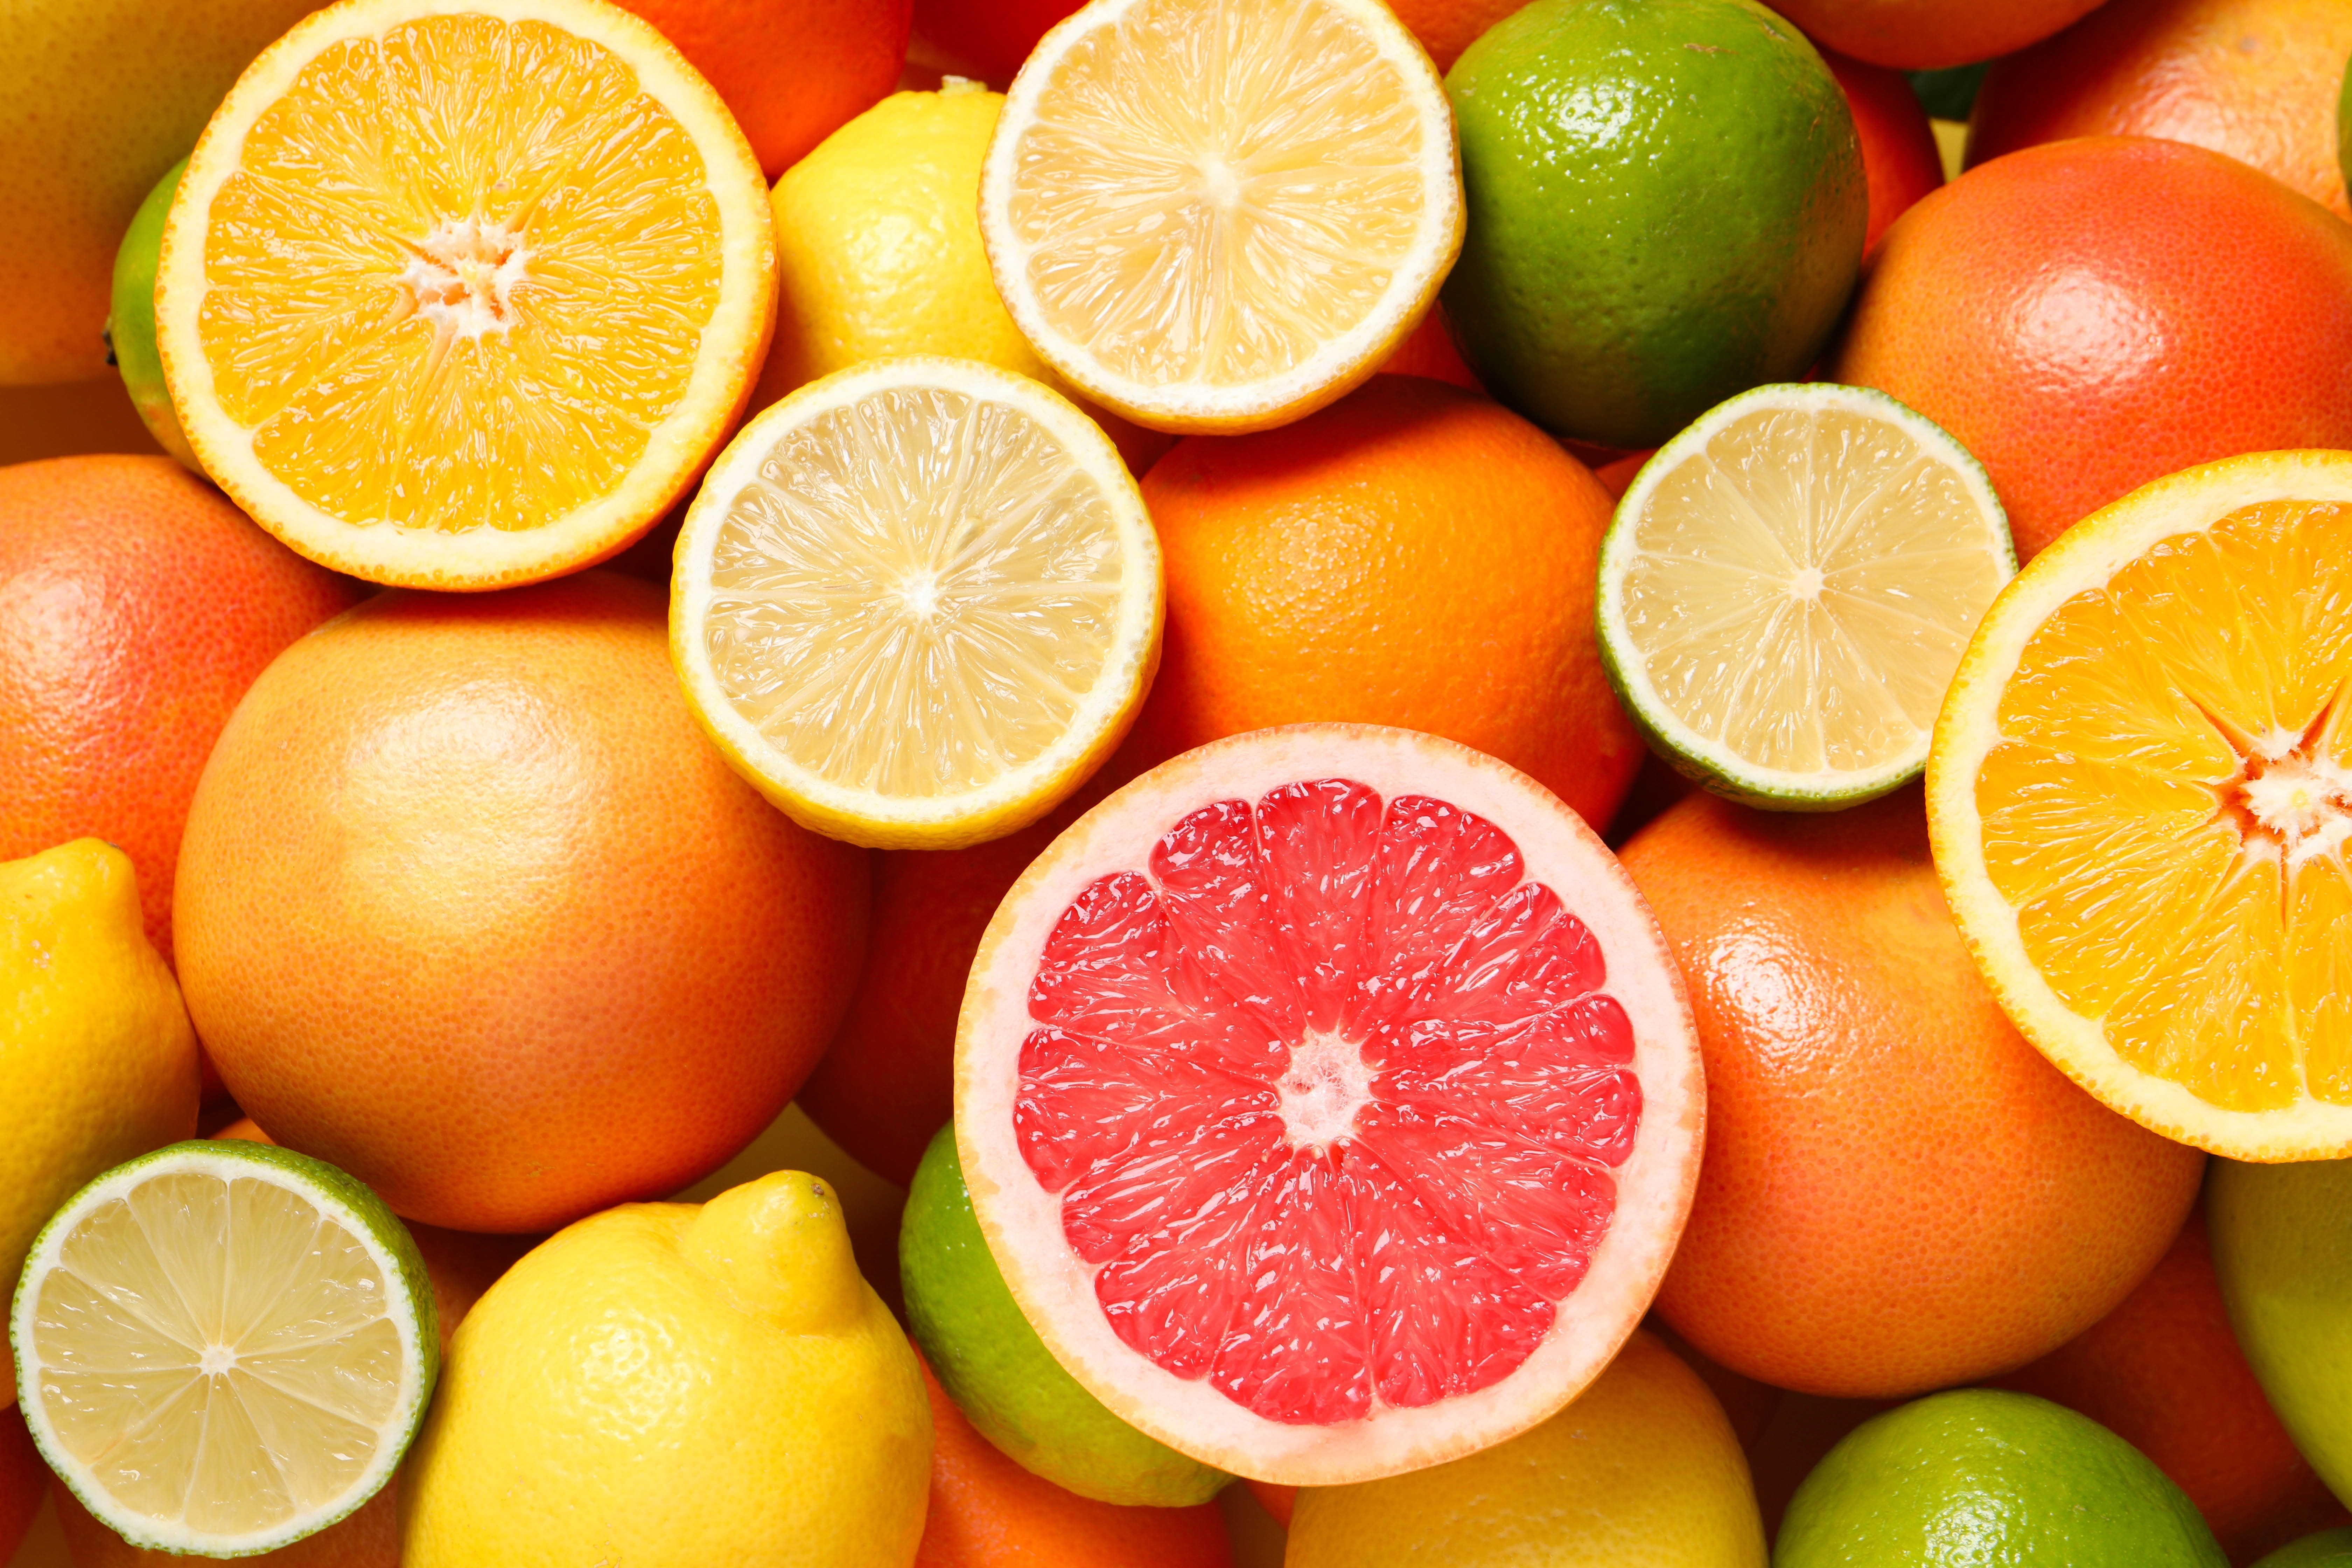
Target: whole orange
{"x":1413,"y":556}
{"x":1899,"y":147}
{"x":1446,"y":27}
{"x":985,"y":39}
{"x":2086,"y":316}
{"x":23,"y":1481}
{"x":1898,"y":1194}
{"x":792,"y":70}
{"x":2163,"y":1372}
{"x":136,"y":605}
{"x":988,"y":1512}
{"x":2255,"y":79}
{"x":469,"y":908}
{"x":1928,"y":35}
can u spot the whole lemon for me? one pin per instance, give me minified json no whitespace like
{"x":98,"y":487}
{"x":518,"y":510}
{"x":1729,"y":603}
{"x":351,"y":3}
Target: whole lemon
{"x":675,"y":1383}
{"x":97,"y":1063}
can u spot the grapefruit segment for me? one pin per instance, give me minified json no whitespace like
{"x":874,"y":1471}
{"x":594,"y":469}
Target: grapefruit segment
{"x":1329,"y":1103}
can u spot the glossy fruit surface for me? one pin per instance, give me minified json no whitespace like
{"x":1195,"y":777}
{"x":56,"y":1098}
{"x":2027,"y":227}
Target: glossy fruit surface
{"x":136,"y":605}
{"x":1926,"y":35}
{"x":1333,"y":570}
{"x":2066,"y":313}
{"x":1898,"y":1192}
{"x":1899,"y":159}
{"x":611,"y":963}
{"x":2328,"y":1549}
{"x":2257,"y":79}
{"x":1626,"y":271}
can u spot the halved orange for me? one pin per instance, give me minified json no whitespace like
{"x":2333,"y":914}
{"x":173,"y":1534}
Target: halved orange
{"x":460,"y":298}
{"x":2140,"y":793}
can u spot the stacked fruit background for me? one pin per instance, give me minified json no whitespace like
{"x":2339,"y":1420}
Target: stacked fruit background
{"x":1176,"y":784}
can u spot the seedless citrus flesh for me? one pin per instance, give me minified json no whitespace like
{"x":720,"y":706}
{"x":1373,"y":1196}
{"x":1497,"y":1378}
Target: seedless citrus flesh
{"x":223,"y":1348}
{"x":2139,"y":798}
{"x":917,"y":602}
{"x":458,"y":298}
{"x":1221,"y":214}
{"x":1788,"y":586}
{"x":1329,"y":1103}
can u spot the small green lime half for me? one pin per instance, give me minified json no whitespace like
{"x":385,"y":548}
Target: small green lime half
{"x":223,"y":1347}
{"x":131,"y":327}
{"x":1000,"y":1374}
{"x":2283,"y":1249}
{"x":1978,"y":1477}
{"x":1667,"y":205}
{"x":2328,"y":1549}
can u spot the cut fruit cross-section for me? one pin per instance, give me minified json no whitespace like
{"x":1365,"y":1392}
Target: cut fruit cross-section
{"x":2140,"y":795}
{"x":460,"y":298}
{"x":1330,"y":1100}
{"x":918,"y":603}
{"x":1787,"y":588}
{"x":1221,"y":214}
{"x":223,"y":1347}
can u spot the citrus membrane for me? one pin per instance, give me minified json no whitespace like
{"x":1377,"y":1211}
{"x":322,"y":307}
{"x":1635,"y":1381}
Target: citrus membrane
{"x":1221,"y":214}
{"x":1329,"y":1103}
{"x":2139,"y":797}
{"x":223,"y":1347}
{"x":917,"y":602}
{"x":1788,"y":586}
{"x":457,"y":299}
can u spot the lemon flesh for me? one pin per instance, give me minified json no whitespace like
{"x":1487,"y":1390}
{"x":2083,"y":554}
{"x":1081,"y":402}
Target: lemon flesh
{"x":224,"y":1348}
{"x":1788,"y":586}
{"x":1217,"y":214}
{"x":917,"y":602}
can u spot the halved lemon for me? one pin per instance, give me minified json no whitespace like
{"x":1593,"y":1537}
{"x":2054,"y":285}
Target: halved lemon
{"x":1788,"y":585}
{"x":223,"y":1347}
{"x":464,"y":297}
{"x":2139,"y":797}
{"x":1222,"y":214}
{"x":917,"y":602}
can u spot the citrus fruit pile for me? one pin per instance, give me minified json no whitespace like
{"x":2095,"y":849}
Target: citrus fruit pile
{"x":1176,"y":784}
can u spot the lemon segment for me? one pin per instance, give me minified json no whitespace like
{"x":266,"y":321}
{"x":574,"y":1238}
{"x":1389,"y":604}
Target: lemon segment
{"x":1788,"y":585}
{"x":2140,"y":795}
{"x":460,"y":299}
{"x":917,"y":602}
{"x":1221,"y":214}
{"x":224,"y":1348}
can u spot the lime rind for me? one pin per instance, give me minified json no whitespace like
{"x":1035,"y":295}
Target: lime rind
{"x":340,"y":1197}
{"x":130,"y":329}
{"x":1708,"y":763}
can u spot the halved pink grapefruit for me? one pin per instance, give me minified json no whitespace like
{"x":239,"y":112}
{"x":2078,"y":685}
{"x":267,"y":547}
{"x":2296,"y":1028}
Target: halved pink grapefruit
{"x":1330,"y":1101}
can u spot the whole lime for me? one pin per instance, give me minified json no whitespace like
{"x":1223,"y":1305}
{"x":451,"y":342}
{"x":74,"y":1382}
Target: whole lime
{"x":1666,"y":206}
{"x":2328,"y":1549}
{"x":1000,"y":1374}
{"x":2282,"y":1247}
{"x":131,"y":324}
{"x":1979,"y":1476}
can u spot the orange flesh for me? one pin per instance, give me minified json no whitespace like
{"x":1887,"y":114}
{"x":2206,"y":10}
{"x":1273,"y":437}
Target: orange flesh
{"x":2166,"y":806}
{"x":461,"y":273}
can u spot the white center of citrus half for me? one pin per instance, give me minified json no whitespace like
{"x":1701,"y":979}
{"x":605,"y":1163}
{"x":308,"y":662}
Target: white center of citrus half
{"x":463,"y":276}
{"x":2298,"y":805}
{"x":1329,"y":1082}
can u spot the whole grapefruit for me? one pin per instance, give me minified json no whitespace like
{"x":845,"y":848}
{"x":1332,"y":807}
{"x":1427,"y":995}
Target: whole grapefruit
{"x":468,"y":907}
{"x":1926,"y":35}
{"x":136,"y":605}
{"x":2255,"y":79}
{"x":1898,"y":1192}
{"x":2089,"y":315}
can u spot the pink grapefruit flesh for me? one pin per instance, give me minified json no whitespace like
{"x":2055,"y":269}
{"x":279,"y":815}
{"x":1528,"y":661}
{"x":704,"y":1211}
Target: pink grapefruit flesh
{"x":1330,"y":1101}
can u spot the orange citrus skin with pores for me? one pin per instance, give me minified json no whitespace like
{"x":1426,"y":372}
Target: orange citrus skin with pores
{"x":1898,"y":1194}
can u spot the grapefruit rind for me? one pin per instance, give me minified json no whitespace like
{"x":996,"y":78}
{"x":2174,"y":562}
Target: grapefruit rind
{"x":2085,"y":557}
{"x":732,"y":343}
{"x":1022,"y":1221}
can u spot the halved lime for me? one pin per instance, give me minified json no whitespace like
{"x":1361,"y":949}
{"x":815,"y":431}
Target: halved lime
{"x":223,"y":1347}
{"x":1788,"y":586}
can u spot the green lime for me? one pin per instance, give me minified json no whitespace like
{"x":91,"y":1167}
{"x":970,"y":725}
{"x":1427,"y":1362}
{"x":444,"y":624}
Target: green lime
{"x":1978,"y":1477}
{"x":2328,"y":1549}
{"x":2283,"y":1246}
{"x":1666,"y":206}
{"x":282,"y":1328}
{"x":999,"y":1371}
{"x":130,"y":329}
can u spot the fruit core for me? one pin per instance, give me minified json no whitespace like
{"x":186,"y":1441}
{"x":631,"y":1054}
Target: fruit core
{"x":462,"y":276}
{"x":2290,"y":800}
{"x":1331,"y":1093}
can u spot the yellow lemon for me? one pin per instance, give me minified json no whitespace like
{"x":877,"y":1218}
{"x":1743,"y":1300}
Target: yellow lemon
{"x":1642,"y":1468}
{"x":675,"y":1383}
{"x":97,"y":1063}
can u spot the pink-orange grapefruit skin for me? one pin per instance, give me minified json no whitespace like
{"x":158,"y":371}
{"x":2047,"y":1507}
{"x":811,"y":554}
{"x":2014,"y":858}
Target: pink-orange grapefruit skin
{"x":468,"y":907}
{"x":1330,"y":1101}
